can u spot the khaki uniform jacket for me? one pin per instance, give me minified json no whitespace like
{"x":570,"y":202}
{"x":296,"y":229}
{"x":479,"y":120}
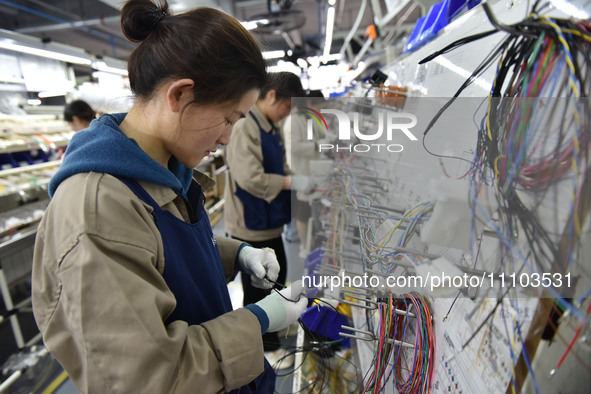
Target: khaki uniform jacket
{"x":244,"y":157}
{"x":100,"y":299}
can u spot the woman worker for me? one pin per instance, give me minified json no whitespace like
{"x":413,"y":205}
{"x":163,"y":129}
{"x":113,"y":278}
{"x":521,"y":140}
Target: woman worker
{"x":129,"y":282}
{"x":79,"y":114}
{"x":258,"y":182}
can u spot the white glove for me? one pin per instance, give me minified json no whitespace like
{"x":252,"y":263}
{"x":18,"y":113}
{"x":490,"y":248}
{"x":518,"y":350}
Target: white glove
{"x":282,"y":311}
{"x":302,"y":183}
{"x":259,"y":263}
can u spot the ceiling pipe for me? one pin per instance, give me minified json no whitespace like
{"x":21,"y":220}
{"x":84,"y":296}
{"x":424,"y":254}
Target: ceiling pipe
{"x":353,"y":28}
{"x":97,"y":33}
{"x":55,"y":9}
{"x":69,"y":25}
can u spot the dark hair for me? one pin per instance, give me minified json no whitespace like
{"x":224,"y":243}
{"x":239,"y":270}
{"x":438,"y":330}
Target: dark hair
{"x":315,"y":93}
{"x":285,"y":84}
{"x":80,"y":109}
{"x":206,"y":45}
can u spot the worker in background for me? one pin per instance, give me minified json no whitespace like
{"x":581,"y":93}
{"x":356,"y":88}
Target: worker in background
{"x":79,"y":114}
{"x":302,"y":151}
{"x":129,"y":282}
{"x":258,"y":184}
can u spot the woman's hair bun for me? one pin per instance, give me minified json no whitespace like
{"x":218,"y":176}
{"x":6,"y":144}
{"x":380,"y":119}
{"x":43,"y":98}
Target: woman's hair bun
{"x":139,"y":18}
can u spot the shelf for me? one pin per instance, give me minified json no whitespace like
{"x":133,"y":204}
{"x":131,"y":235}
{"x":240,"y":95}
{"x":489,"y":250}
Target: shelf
{"x":21,"y":185}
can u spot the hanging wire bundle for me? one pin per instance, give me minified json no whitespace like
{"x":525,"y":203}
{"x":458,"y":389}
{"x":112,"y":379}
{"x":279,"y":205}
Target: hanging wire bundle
{"x":536,"y":133}
{"x":533,"y":146}
{"x":537,"y":129}
{"x":411,"y":368}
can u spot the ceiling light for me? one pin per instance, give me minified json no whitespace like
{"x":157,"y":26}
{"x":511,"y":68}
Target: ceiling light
{"x":284,"y":66}
{"x":329,"y":30}
{"x":51,"y":93}
{"x":273,"y":54}
{"x":102,"y":66}
{"x":12,"y":46}
{"x":302,"y":63}
{"x":251,"y":25}
{"x":332,"y":2}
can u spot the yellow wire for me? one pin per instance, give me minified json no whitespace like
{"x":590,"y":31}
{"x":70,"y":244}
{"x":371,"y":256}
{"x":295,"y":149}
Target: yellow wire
{"x":387,"y":237}
{"x":577,"y":33}
{"x":575,"y":212}
{"x":560,"y":37}
{"x":488,"y":128}
{"x":497,"y":173}
{"x":546,"y":20}
{"x":576,"y":93}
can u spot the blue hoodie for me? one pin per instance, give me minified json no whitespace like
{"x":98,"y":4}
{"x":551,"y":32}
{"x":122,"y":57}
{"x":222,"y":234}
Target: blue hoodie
{"x":103,"y":147}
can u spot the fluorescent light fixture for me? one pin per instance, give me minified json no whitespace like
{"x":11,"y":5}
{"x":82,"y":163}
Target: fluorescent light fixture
{"x":328,"y":58}
{"x":51,"y":93}
{"x":34,"y":102}
{"x":102,"y":66}
{"x":302,"y":63}
{"x":273,"y":54}
{"x":251,"y":25}
{"x":316,"y":61}
{"x":284,"y":66}
{"x":329,"y":30}
{"x":12,"y":46}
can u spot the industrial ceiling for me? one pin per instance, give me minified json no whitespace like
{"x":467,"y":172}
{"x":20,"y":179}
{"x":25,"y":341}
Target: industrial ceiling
{"x":93,"y":25}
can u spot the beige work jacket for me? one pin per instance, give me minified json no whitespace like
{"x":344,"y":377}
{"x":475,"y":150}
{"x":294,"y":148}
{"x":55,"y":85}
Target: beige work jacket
{"x":244,"y":157}
{"x":100,"y":299}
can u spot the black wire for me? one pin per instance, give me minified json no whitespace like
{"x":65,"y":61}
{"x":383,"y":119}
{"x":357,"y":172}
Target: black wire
{"x":319,"y":346}
{"x":456,"y":44}
{"x":444,"y":156}
{"x":491,"y":313}
{"x":277,"y":284}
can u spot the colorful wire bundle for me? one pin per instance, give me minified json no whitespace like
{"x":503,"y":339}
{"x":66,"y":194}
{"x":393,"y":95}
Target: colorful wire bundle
{"x":412,"y":370}
{"x":376,"y":248}
{"x":528,"y":142}
{"x":534,"y":139}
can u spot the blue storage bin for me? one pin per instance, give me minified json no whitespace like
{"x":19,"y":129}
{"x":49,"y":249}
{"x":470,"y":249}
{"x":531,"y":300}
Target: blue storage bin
{"x":412,"y":43}
{"x":436,"y":20}
{"x":38,"y":156}
{"x":473,"y":3}
{"x":7,"y":161}
{"x":457,"y":7}
{"x":326,"y":322}
{"x":22,"y":158}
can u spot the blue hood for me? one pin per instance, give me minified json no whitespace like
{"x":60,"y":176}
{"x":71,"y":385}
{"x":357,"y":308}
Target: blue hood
{"x":103,"y":147}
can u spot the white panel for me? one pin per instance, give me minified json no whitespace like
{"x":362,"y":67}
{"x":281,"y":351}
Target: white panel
{"x":42,"y":74}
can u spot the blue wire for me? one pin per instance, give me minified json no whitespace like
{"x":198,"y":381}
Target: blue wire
{"x":585,"y":296}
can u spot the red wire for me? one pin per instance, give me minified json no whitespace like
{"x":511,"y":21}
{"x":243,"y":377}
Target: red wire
{"x":573,"y":341}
